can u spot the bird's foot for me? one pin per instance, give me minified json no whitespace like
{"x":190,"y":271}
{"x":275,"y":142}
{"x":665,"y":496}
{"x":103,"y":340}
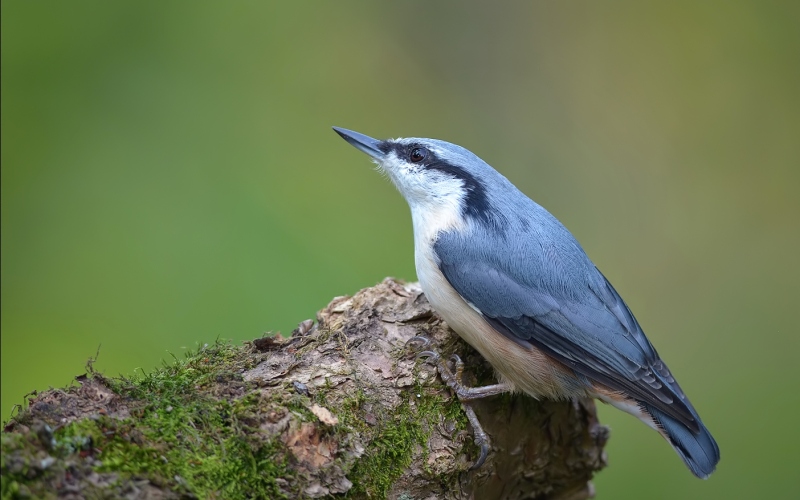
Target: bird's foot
{"x":465,"y":394}
{"x":454,"y":378}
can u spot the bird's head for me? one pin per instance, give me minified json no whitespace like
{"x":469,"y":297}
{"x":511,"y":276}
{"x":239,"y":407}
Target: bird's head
{"x":432,"y":175}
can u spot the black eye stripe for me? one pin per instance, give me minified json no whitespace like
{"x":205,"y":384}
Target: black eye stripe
{"x":406,"y":151}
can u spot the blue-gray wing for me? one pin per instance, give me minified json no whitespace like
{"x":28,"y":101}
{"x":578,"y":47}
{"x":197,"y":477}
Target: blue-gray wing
{"x":547,"y":293}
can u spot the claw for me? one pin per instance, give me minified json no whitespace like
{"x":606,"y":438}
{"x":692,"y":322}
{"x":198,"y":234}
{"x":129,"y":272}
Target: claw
{"x":430,"y":356}
{"x":459,"y":367}
{"x":482,"y":458}
{"x":478,"y":435}
{"x":422,"y":341}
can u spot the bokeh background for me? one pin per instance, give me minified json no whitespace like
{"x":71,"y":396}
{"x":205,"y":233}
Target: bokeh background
{"x":169,"y":176}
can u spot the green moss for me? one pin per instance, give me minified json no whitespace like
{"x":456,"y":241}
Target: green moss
{"x":389,"y":453}
{"x":195,"y":430}
{"x":352,"y":413}
{"x":392,"y":448}
{"x":17,"y":472}
{"x":185,"y":435}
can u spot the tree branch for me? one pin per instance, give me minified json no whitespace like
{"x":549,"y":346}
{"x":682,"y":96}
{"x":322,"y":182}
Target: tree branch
{"x":339,"y":409}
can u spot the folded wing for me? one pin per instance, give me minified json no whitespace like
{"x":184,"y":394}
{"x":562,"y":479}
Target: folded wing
{"x":554,"y":298}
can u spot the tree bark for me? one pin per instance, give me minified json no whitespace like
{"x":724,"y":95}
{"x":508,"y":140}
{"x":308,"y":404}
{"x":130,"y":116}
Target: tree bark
{"x":339,"y":409}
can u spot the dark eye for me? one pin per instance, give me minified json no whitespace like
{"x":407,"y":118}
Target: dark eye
{"x":418,"y":154}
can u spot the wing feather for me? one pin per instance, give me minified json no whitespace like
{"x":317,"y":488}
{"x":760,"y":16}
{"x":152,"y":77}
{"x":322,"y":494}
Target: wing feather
{"x":555,"y":299}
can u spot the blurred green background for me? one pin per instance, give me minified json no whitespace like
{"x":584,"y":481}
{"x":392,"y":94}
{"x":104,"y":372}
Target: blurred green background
{"x":169,"y":176}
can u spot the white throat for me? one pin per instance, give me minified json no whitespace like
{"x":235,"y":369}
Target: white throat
{"x":428,"y":223}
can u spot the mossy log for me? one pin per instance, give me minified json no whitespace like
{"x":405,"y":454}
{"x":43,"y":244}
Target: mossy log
{"x":338,"y":410}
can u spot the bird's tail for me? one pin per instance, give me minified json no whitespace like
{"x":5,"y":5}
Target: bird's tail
{"x":697,"y":449}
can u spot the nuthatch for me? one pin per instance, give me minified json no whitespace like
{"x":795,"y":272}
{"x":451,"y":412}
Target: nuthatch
{"x":514,"y":283}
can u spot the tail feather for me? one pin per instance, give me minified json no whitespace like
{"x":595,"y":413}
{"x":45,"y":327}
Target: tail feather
{"x":698,"y":450}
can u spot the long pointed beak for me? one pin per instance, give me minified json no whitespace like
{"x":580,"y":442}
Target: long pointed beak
{"x":362,"y":142}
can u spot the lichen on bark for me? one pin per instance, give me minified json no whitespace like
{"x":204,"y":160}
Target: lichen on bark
{"x":340,"y":409}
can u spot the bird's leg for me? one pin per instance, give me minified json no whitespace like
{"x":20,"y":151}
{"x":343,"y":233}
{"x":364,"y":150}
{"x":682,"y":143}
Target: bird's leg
{"x":453,"y":380}
{"x":478,"y":434}
{"x":465,"y":394}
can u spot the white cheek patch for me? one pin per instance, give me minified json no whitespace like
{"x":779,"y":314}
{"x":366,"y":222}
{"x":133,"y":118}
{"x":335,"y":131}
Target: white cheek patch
{"x":435,"y":198}
{"x":393,"y":167}
{"x":422,"y":186}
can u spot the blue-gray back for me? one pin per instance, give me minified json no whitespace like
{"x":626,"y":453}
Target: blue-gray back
{"x":532,"y":280}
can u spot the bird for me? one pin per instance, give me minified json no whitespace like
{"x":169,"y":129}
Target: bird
{"x":517,"y":286}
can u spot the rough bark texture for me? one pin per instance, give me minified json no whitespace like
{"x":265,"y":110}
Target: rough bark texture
{"x":339,"y":409}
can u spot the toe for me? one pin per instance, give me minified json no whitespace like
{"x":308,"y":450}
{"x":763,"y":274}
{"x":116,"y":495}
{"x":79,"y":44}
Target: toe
{"x":429,"y":356}
{"x":418,"y":342}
